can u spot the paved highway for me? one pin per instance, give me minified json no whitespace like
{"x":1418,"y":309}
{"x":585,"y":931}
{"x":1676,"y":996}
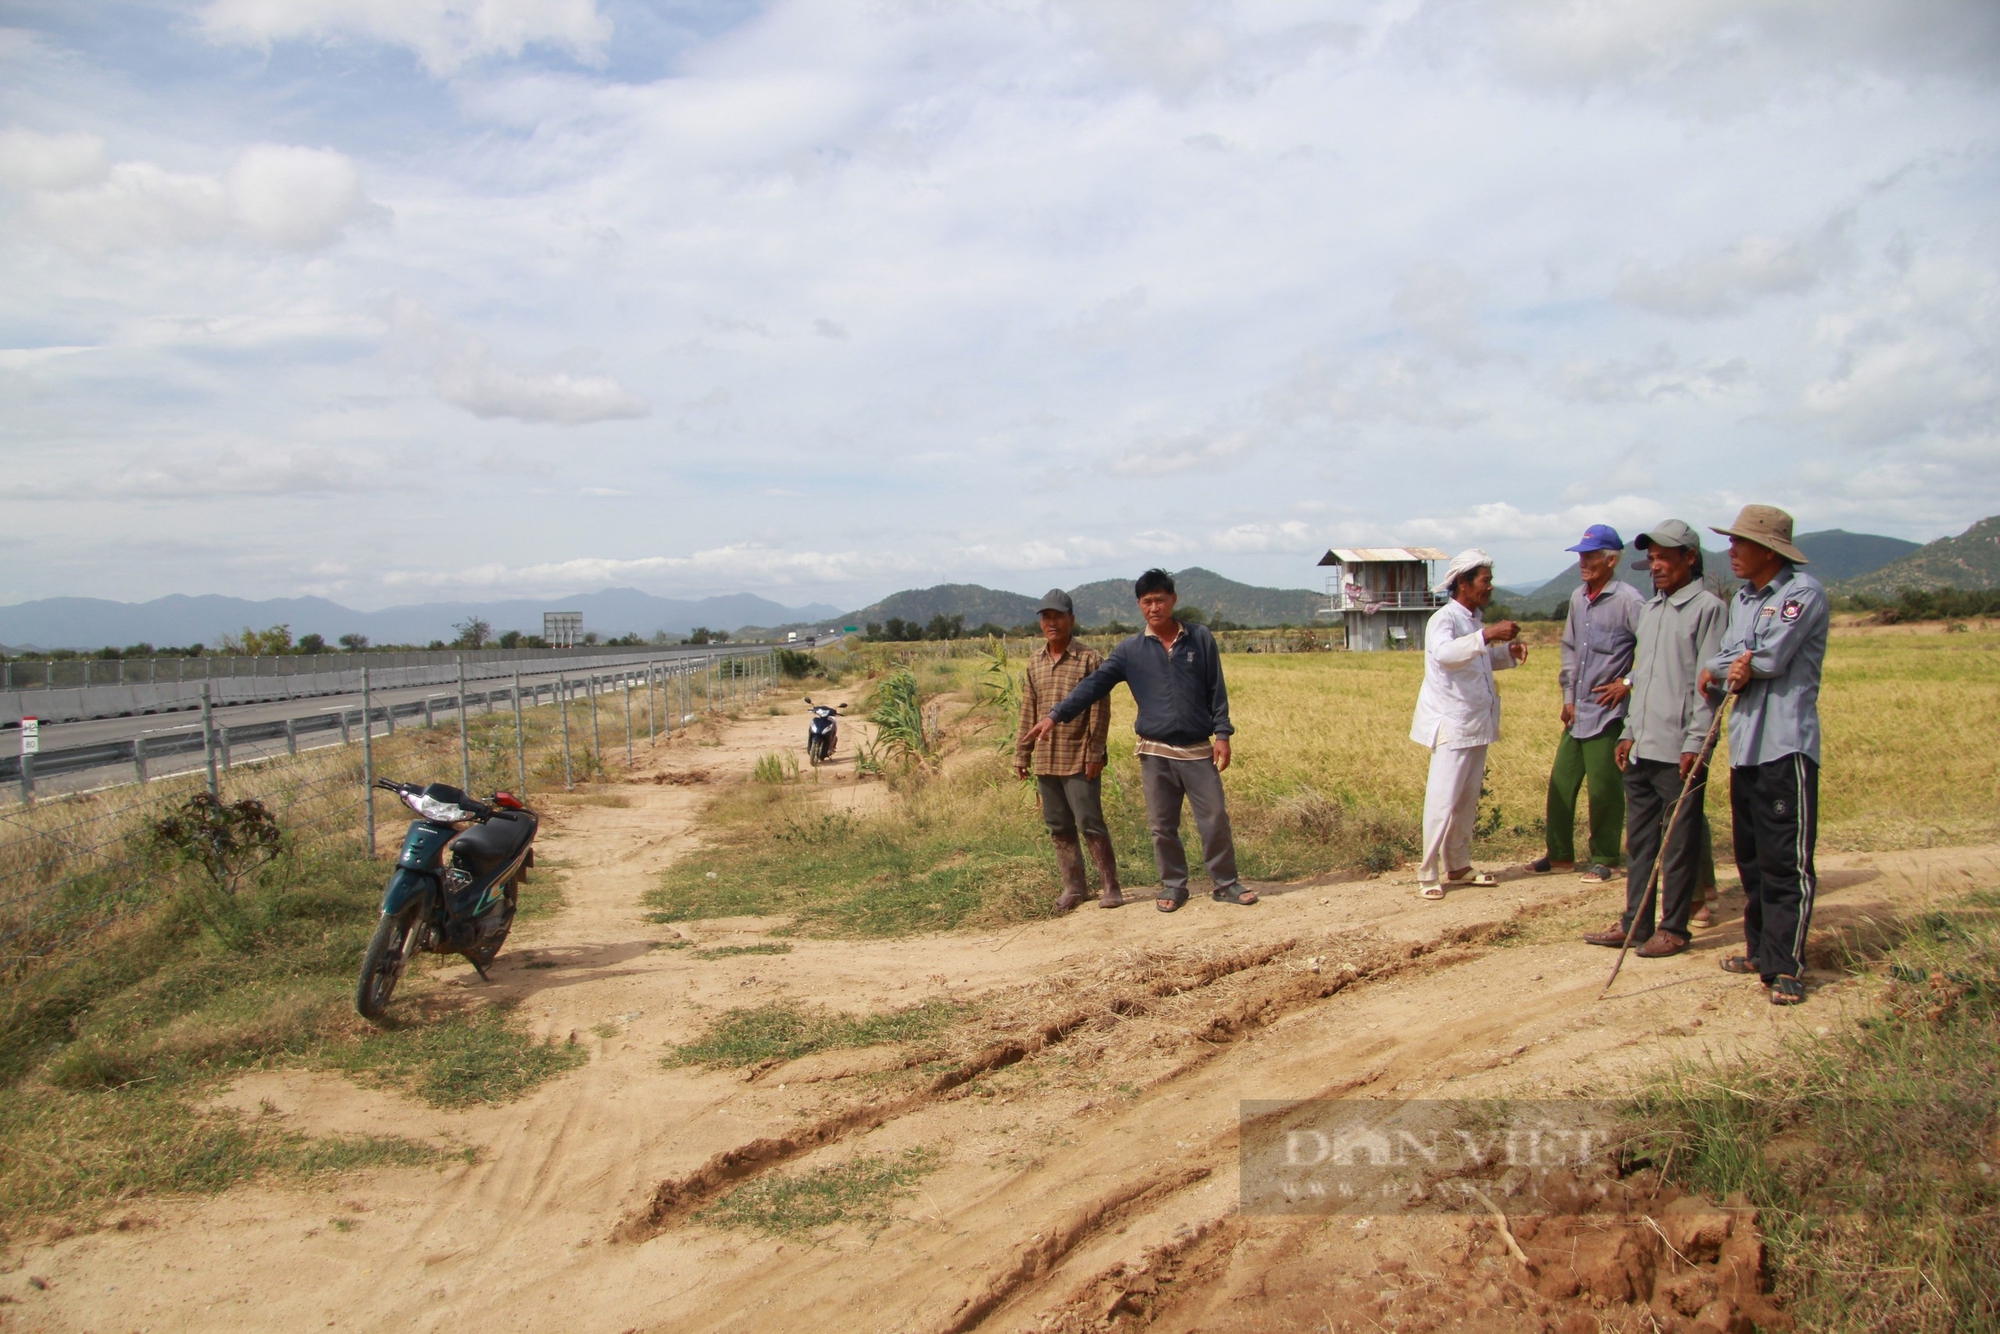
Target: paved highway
{"x":99,"y":731}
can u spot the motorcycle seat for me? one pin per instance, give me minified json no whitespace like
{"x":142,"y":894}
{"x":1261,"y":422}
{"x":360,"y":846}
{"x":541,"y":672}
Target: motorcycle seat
{"x":498,"y":841}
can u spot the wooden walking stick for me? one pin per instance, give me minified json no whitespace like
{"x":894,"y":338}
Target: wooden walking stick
{"x":1666,"y":840}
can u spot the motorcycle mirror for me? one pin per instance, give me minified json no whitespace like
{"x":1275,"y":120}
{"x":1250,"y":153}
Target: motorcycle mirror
{"x":809,"y":699}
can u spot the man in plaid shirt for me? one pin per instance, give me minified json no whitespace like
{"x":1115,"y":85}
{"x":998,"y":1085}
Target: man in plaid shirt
{"x":1068,"y":761}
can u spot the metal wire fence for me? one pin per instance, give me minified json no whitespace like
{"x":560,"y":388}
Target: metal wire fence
{"x":75,"y":865}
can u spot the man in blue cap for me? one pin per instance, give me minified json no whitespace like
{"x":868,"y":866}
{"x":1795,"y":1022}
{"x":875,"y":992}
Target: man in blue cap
{"x":1597,"y":643}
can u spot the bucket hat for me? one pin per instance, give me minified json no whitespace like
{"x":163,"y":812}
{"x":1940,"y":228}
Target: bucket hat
{"x":1767,"y":526}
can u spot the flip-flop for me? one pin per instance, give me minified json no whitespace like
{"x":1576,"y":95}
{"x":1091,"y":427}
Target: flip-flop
{"x":1238,"y":895}
{"x":1736,"y":963}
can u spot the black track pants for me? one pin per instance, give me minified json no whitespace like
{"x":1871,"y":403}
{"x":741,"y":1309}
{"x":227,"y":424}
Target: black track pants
{"x":1776,"y":811}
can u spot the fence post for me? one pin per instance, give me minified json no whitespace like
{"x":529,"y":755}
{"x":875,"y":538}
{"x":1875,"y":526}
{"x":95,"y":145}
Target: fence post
{"x":223,"y":734}
{"x":208,"y":738}
{"x":520,"y":737}
{"x":464,"y":747}
{"x":596,"y":740}
{"x":367,"y":755}
{"x":628,"y":721}
{"x":291,"y":737}
{"x":562,"y":697}
{"x":27,"y":769}
{"x":139,"y":758}
{"x":652,"y":719}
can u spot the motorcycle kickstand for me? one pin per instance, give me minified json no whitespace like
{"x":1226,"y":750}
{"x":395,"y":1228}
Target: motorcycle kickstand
{"x":477,"y":968}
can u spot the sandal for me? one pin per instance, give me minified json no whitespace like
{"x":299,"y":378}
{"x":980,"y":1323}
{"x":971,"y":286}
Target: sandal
{"x":1170,"y":902}
{"x":1471,"y":877}
{"x":1736,"y":963}
{"x":1431,"y":891}
{"x":1237,"y":894}
{"x":1787,"y":990}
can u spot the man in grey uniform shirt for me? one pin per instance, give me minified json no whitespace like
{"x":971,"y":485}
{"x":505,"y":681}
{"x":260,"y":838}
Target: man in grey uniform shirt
{"x":1770,"y":660}
{"x":1666,"y":725}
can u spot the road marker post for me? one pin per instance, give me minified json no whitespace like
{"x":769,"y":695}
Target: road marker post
{"x":367,"y":756}
{"x":31,"y":746}
{"x":464,"y":748}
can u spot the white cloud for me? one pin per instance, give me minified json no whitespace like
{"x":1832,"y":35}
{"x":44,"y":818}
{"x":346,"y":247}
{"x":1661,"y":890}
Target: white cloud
{"x":295,"y":198}
{"x":1657,"y":376}
{"x":247,"y":469}
{"x":50,"y":161}
{"x":1733,"y":52}
{"x":1723,"y":282}
{"x":274,"y":195}
{"x":736,"y":562}
{"x":469,"y":375}
{"x":446,"y":35}
{"x":1188,"y":452}
{"x":1436,"y":300}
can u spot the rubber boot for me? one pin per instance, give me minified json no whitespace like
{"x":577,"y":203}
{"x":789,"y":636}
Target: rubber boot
{"x":1107,"y":871}
{"x":1069,"y":860}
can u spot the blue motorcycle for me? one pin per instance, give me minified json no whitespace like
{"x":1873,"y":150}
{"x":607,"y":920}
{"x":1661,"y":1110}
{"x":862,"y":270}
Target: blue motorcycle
{"x":455,"y":886}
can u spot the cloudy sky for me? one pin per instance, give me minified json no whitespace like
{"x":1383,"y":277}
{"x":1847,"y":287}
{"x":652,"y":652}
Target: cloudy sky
{"x":398,"y":300}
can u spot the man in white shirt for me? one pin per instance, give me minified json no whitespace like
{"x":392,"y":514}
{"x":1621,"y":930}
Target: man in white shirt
{"x":1458,"y":717}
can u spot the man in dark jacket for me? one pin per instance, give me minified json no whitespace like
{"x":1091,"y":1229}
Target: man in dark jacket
{"x":1175,"y":674}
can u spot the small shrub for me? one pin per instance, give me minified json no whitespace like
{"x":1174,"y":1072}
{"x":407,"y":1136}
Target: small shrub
{"x":859,"y":1190}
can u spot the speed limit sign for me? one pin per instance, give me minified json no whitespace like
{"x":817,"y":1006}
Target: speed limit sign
{"x":31,"y":736}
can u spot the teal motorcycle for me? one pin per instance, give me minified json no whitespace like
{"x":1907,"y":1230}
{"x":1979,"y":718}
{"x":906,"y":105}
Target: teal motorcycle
{"x":455,"y":887}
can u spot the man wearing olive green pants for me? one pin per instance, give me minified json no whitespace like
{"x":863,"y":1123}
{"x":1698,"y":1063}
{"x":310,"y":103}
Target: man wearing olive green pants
{"x":1597,"y":646}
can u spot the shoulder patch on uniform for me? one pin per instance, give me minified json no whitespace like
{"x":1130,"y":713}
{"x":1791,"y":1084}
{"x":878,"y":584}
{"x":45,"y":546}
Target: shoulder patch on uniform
{"x":1793,"y":607}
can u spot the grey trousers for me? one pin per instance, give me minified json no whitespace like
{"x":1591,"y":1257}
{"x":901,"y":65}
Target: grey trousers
{"x":1071,"y":802}
{"x":1166,"y":782}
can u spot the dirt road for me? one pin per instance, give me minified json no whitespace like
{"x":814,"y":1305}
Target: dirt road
{"x":1084,"y":1120}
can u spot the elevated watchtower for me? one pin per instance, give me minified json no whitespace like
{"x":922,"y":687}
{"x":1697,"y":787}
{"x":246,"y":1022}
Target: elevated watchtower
{"x":1382,"y":594}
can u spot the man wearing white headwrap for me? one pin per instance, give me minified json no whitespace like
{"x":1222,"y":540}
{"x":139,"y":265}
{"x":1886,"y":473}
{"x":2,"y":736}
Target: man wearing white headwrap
{"x":1458,"y":716}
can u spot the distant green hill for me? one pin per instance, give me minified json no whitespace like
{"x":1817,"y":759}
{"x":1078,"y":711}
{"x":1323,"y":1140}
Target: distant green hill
{"x":1097,"y":603}
{"x":1837,"y":554}
{"x":1110,"y":600}
{"x":976,"y":603}
{"x":1970,"y":560}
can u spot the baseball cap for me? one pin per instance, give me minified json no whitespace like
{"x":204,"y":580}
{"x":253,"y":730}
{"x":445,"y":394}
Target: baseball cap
{"x":1669,"y":533}
{"x":1056,"y":600}
{"x":1599,"y":537}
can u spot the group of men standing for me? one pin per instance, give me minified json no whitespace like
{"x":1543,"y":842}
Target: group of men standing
{"x":1642,"y":681}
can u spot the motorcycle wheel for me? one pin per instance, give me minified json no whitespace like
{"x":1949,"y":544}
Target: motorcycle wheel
{"x":389,"y":951}
{"x":813,"y":748}
{"x":485,"y":952}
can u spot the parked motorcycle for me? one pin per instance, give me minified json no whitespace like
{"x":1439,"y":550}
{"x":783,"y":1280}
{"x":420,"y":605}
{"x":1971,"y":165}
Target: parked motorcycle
{"x":823,"y":732}
{"x":455,"y":886}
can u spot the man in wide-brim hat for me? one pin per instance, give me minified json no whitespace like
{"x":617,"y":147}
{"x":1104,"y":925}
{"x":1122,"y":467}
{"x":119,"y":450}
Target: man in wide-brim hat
{"x":1770,"y":660}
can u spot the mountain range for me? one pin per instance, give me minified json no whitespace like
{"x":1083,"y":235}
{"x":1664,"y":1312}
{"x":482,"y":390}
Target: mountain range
{"x":1970,"y":560}
{"x":1832,"y":556}
{"x":1098,"y":603}
{"x":86,"y":623}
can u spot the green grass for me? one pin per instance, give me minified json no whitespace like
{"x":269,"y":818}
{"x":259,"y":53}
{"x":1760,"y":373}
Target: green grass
{"x":732,"y":951}
{"x":71,"y":1152}
{"x":456,"y":1059}
{"x":859,"y":1191}
{"x":1872,"y":1154}
{"x":786,"y":1032}
{"x":107,"y":1057}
